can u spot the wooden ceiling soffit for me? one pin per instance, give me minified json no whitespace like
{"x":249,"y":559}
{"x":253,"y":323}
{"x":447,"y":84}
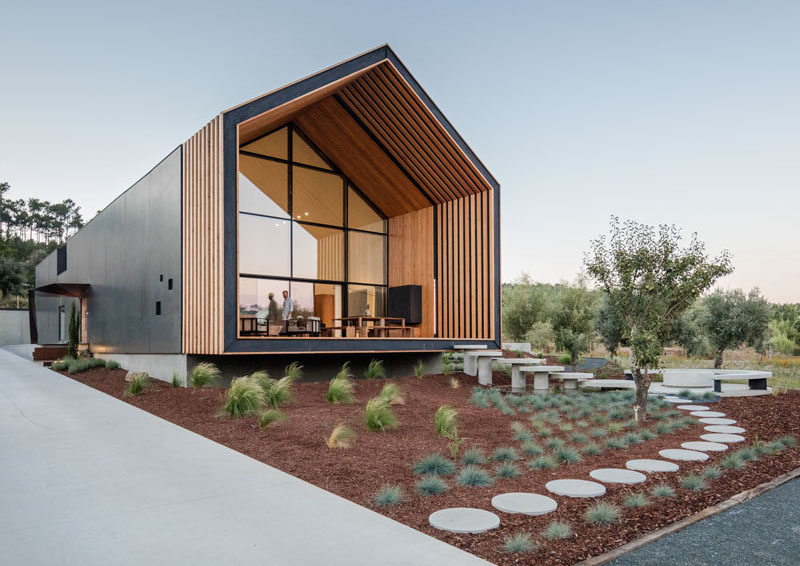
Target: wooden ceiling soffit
{"x":363,"y":161}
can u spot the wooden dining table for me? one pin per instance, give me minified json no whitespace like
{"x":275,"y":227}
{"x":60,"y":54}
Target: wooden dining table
{"x":379,"y":324}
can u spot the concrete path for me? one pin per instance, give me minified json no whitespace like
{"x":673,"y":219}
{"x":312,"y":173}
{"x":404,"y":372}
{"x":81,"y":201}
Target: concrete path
{"x":87,"y":479}
{"x":764,"y":530}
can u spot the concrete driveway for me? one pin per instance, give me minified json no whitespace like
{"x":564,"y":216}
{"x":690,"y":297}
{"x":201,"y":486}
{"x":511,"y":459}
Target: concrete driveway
{"x":88,"y":480}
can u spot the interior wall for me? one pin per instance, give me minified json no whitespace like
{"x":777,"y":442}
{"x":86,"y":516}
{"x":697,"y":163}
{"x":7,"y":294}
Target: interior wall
{"x":411,"y":246}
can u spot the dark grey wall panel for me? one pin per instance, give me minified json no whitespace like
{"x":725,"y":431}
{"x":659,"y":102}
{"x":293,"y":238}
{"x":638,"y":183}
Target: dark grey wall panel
{"x":127,"y":253}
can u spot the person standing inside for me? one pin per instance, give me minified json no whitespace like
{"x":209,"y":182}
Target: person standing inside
{"x":288,"y":308}
{"x":272,"y":311}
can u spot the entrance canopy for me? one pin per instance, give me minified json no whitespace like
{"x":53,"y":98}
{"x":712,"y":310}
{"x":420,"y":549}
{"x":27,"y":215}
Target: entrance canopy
{"x":64,"y":289}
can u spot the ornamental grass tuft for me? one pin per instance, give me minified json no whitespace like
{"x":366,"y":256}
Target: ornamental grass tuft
{"x":137,"y":384}
{"x":711,"y":472}
{"x":636,"y":500}
{"x":473,"y":456}
{"x":431,"y":485}
{"x":531,"y":449}
{"x":693,"y":482}
{"x":419,"y":369}
{"x":342,"y":436}
{"x":602,"y":514}
{"x":393,"y":394}
{"x":662,"y":490}
{"x":375,"y":370}
{"x":506,"y":470}
{"x":340,"y":390}
{"x":557,"y":530}
{"x":543,"y":463}
{"x":505,"y":454}
{"x":567,"y":454}
{"x":294,"y":371}
{"x":388,"y":495}
{"x":270,"y":416}
{"x":278,"y":392}
{"x":434,"y":464}
{"x":204,"y":373}
{"x":473,"y":476}
{"x":732,"y":462}
{"x":378,"y":415}
{"x":591,"y":450}
{"x":244,"y":397}
{"x":520,"y":543}
{"x":112,"y":364}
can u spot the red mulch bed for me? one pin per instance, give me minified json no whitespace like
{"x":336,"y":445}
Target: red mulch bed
{"x":297,"y":446}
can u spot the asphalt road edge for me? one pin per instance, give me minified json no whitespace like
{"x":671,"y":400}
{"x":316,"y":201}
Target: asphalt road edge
{"x":683,"y":523}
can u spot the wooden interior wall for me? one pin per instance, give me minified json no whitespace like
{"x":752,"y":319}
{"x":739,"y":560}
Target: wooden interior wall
{"x":465,"y":266}
{"x":202,"y":212}
{"x":411,"y":244}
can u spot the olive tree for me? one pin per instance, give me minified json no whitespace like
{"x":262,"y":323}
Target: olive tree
{"x":573,"y":319}
{"x":609,"y":327}
{"x":650,"y":280}
{"x":523,"y":305}
{"x":733,"y":318}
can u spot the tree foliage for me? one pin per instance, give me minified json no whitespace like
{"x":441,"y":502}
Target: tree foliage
{"x":573,"y":319}
{"x":650,"y":280}
{"x":732,"y":318}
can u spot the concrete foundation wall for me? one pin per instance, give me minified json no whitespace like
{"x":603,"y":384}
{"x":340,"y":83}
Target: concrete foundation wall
{"x":14,"y":327}
{"x":159,"y":366}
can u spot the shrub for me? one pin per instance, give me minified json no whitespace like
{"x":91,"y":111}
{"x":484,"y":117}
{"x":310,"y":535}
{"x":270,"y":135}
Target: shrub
{"x":419,"y":369}
{"x":732,"y":462}
{"x":662,"y":490}
{"x":746,"y":454}
{"x":378,"y":415}
{"x":479,"y":398}
{"x":615,"y":443}
{"x":61,"y":365}
{"x":532,"y":449}
{"x":204,"y":373}
{"x":446,"y":421}
{"x":647,"y":434}
{"x":340,"y":390}
{"x":520,"y":543}
{"x":521,"y":433}
{"x":473,"y":476}
{"x":263,"y":379}
{"x":554,"y":443}
{"x":557,"y":530}
{"x":602,"y":514}
{"x":578,"y":437}
{"x":662,"y":428}
{"x":293,"y":371}
{"x":505,"y":454}
{"x":244,"y":397}
{"x":388,"y":495}
{"x":342,"y":436}
{"x":693,"y":482}
{"x":506,"y":470}
{"x":268,"y":417}
{"x":137,"y":384}
{"x":544,"y":432}
{"x":636,"y":500}
{"x":111,"y":364}
{"x":473,"y":456}
{"x":632,"y":438}
{"x":567,"y":454}
{"x":711,"y":472}
{"x":591,"y":450}
{"x":176,"y":380}
{"x":431,"y":485}
{"x":375,"y":370}
{"x":542,"y":463}
{"x":279,"y":392}
{"x":788,"y":440}
{"x":434,"y":465}
{"x":393,"y":395}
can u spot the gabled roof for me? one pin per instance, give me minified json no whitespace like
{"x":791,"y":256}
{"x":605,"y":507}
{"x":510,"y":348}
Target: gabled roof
{"x":368,"y":102}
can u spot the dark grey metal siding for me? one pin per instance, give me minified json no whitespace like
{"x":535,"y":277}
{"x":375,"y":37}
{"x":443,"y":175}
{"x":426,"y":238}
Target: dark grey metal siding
{"x":123,"y":254}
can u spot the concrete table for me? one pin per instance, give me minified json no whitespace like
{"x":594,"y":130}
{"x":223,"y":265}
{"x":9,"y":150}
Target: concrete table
{"x":518,"y":384}
{"x":472,"y":368}
{"x":541,"y":375}
{"x":482,"y":364}
{"x":570,"y":379}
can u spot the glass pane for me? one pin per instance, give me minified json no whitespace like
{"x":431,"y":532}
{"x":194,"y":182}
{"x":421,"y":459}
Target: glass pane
{"x":361,"y":215}
{"x":318,"y":252}
{"x":366,"y":300}
{"x":303,"y":153}
{"x":367,"y":258}
{"x":263,"y":245}
{"x":274,"y":145}
{"x":315,"y":299}
{"x":263,"y":186}
{"x":318,"y":197}
{"x":260,"y":302}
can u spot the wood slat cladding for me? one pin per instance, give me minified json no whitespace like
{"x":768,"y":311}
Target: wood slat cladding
{"x":390,"y":108}
{"x":464,"y":239}
{"x":411,"y":261}
{"x":203,"y":241}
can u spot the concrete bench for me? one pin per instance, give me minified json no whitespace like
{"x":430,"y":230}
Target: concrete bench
{"x":480,"y":362}
{"x":470,"y":366}
{"x":518,"y":384}
{"x":571,"y":379}
{"x":758,"y":382}
{"x":541,"y":375}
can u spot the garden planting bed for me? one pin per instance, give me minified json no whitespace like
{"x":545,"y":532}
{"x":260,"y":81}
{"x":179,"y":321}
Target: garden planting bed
{"x":297,"y":446}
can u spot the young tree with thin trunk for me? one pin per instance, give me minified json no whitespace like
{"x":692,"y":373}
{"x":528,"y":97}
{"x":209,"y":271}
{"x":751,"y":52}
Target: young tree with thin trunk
{"x":650,"y":280}
{"x":733,"y":318}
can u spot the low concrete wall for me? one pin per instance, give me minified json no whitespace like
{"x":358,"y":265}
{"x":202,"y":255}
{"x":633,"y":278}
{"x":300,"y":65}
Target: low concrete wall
{"x":159,"y":366}
{"x":14,"y":327}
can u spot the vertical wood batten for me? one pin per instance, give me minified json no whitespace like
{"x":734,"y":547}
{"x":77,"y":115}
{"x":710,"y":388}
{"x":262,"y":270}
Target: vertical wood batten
{"x":202,"y":241}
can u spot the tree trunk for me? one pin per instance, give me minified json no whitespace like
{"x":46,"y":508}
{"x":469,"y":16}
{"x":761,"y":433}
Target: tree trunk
{"x":642,"y":381}
{"x":718,"y":359}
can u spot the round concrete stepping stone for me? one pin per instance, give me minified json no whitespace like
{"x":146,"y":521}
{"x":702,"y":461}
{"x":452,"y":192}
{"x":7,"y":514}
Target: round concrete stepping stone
{"x":701,"y":446}
{"x":725,"y":429}
{"x":683,"y":455}
{"x":525,"y":503}
{"x":646,"y":465}
{"x":692,"y":407}
{"x":716,"y":421}
{"x":576,"y":488}
{"x":617,"y":475}
{"x":464,"y":520}
{"x":728,"y":438}
{"x":707,"y":414}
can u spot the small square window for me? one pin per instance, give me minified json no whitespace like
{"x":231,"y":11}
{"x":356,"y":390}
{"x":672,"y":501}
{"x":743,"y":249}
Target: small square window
{"x":169,"y":284}
{"x":158,"y":308}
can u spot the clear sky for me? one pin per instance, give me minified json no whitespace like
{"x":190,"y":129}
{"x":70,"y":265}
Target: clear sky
{"x":680,"y":112}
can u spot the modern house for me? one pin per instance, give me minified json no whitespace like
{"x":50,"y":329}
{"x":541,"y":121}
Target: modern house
{"x":347,"y":189}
